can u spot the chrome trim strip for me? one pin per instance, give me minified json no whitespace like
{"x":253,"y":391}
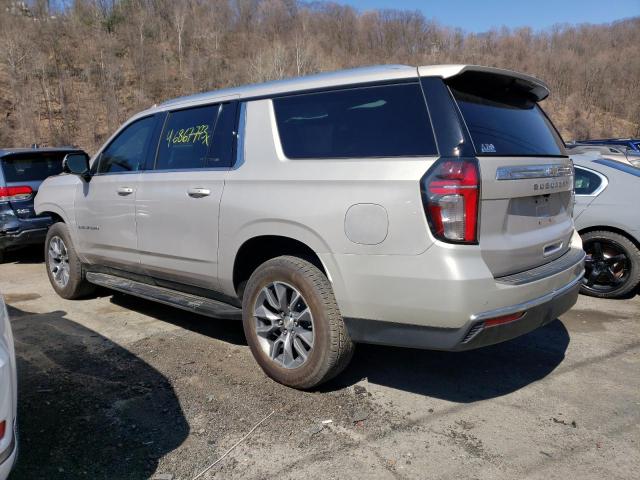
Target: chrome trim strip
{"x":518,"y":172}
{"x":520,"y":307}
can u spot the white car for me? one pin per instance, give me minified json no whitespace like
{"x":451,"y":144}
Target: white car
{"x":8,"y":395}
{"x":614,"y":152}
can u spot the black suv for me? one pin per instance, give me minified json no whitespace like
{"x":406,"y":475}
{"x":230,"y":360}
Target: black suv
{"x":22,"y":170}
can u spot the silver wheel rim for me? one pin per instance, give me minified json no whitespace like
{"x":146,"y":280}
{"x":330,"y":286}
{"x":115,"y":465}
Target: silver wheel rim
{"x":284,"y":325}
{"x":59,"y":261}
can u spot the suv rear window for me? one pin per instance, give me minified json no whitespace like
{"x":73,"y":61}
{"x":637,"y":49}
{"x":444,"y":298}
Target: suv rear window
{"x":502,"y":118}
{"x":31,"y":168}
{"x":380,"y":121}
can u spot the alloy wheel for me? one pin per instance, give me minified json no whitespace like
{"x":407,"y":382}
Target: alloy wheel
{"x":59,"y":261}
{"x":284,"y":325}
{"x":607,"y":266}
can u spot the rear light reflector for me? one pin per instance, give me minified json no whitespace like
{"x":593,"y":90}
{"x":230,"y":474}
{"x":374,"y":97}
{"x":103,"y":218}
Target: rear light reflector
{"x":493,"y":322}
{"x":8,"y":194}
{"x":450,"y":192}
{"x":3,"y":427}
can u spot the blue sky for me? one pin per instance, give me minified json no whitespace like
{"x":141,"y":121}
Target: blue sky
{"x":481,"y":15}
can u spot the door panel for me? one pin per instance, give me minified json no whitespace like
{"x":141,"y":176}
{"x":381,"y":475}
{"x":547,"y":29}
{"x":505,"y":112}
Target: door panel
{"x":177,"y":224}
{"x":527,"y":180}
{"x":525,"y":211}
{"x":177,"y":204}
{"x":106,"y":220}
{"x":105,"y":205}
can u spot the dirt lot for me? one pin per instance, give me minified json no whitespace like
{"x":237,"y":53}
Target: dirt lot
{"x":117,"y":387}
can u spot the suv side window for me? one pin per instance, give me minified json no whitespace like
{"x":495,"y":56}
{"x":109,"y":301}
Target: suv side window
{"x":201,"y":137}
{"x":586,"y":182}
{"x":379,"y":121}
{"x":127,"y":152}
{"x":186,"y":138}
{"x":224,"y":136}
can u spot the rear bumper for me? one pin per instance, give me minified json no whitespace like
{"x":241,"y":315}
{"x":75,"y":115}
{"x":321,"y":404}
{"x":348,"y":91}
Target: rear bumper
{"x":475,"y":333}
{"x":22,"y":237}
{"x":442,"y":298}
{"x":444,"y":287}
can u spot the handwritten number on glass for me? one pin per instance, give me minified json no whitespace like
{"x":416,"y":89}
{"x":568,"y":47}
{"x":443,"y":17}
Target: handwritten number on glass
{"x":189,"y":136}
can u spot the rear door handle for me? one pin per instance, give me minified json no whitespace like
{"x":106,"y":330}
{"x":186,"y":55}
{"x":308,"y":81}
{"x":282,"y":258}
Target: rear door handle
{"x":123,"y":191}
{"x":198,"y":192}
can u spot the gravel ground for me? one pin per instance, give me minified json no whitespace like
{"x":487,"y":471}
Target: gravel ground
{"x":117,"y":387}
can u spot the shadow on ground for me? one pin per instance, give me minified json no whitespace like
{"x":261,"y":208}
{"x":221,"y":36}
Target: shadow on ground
{"x":461,"y":376}
{"x":25,"y":255}
{"x":454,"y":376}
{"x":88,"y":408}
{"x":221,"y":329}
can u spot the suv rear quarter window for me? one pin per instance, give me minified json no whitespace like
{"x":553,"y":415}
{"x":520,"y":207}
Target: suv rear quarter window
{"x":379,"y":121}
{"x":586,"y":182}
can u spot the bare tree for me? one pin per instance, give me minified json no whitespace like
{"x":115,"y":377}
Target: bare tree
{"x":73,"y":70}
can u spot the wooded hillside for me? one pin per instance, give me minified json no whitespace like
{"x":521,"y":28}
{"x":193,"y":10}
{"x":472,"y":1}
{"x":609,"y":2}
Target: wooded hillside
{"x":72,"y":75}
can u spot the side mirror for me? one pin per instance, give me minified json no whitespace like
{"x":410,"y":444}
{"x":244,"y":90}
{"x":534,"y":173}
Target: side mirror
{"x":78,"y":164}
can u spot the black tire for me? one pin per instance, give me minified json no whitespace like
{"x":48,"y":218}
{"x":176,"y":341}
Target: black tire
{"x":624,"y":275}
{"x":332,"y":349}
{"x":77,"y":286}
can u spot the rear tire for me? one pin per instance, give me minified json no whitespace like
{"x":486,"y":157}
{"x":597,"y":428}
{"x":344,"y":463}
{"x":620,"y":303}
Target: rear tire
{"x":290,"y":300}
{"x":612,"y":265}
{"x":64,"y":268}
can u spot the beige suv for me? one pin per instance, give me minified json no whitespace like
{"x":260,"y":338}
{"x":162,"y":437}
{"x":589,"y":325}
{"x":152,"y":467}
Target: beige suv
{"x":424,"y":207}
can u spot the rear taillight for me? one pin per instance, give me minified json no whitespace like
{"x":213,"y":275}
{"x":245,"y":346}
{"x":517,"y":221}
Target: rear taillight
{"x":3,"y":427}
{"x":8,"y":194}
{"x":450,"y":192}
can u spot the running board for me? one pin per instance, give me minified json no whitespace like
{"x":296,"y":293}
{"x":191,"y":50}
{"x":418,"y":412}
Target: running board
{"x":185,"y":301}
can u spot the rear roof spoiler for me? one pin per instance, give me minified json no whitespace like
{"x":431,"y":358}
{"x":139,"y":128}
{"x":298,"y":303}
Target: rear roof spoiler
{"x":534,"y":85}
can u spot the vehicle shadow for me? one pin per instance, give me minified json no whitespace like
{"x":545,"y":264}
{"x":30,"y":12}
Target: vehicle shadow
{"x":455,"y":376}
{"x":88,"y":408}
{"x":26,"y":255}
{"x":222,"y":329}
{"x":461,"y":376}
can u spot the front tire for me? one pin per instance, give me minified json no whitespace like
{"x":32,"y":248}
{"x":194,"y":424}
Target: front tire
{"x":293,"y":325}
{"x":612,"y":266}
{"x":63,"y":265}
